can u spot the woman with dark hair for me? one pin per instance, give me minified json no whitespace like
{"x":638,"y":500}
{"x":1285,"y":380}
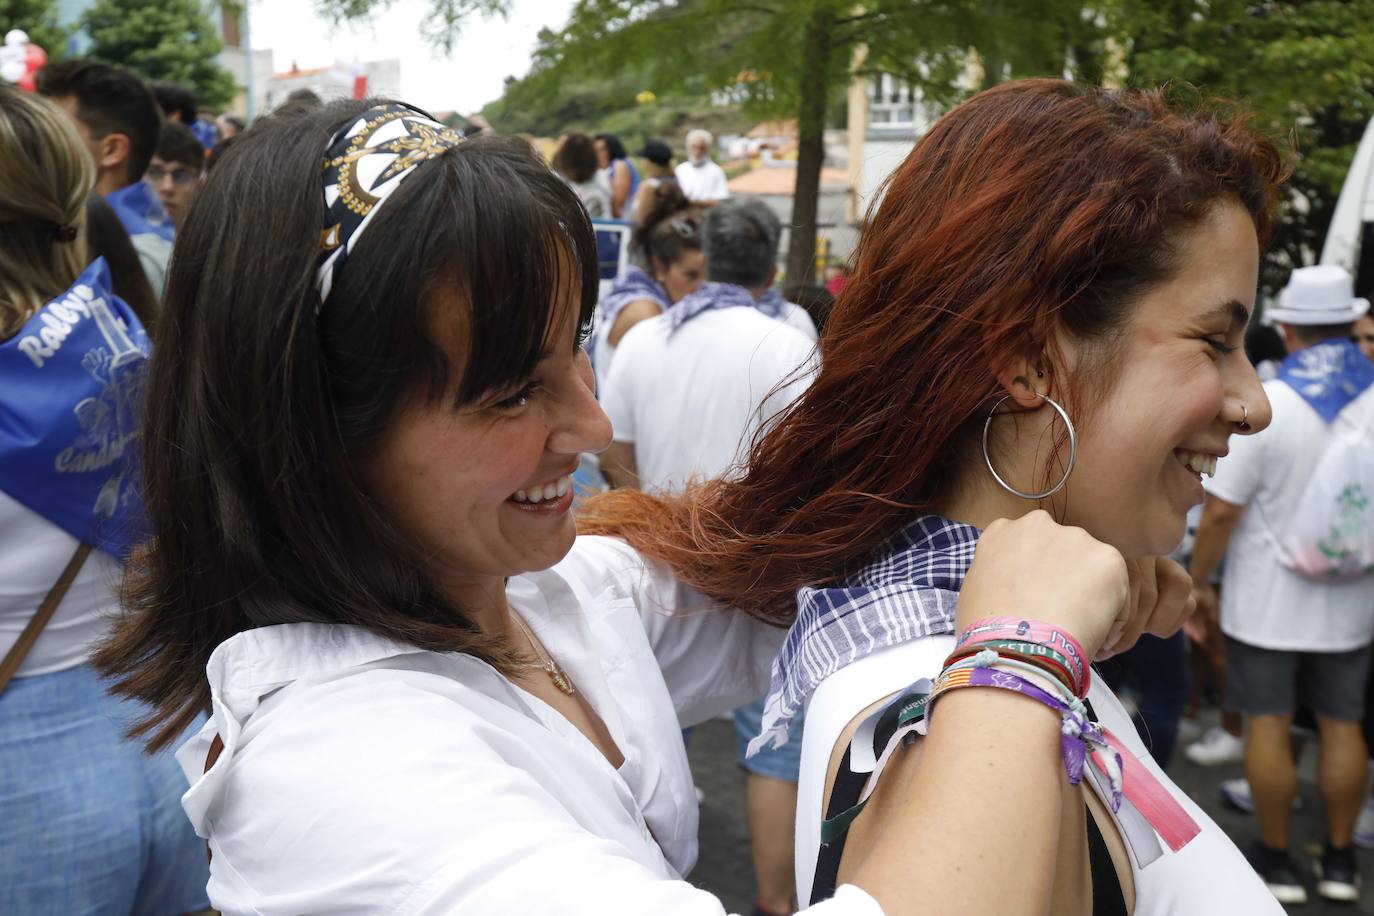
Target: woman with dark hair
{"x":667,"y":264}
{"x":107,"y":238}
{"x":620,"y":173}
{"x":575,"y":160}
{"x":1026,"y":328}
{"x":428,"y":695}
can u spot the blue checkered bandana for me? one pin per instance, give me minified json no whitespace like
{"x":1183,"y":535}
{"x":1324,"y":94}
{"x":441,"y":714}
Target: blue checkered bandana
{"x":707,"y":296}
{"x":363,"y":166}
{"x":907,"y":594}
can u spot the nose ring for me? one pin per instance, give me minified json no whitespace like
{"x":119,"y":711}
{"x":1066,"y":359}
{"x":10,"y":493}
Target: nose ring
{"x":1244,"y":424}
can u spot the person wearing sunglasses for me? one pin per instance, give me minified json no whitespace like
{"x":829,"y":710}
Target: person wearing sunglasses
{"x":176,"y":169}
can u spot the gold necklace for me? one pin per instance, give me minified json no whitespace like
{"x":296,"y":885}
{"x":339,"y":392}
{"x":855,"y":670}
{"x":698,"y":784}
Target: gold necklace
{"x":546,"y":662}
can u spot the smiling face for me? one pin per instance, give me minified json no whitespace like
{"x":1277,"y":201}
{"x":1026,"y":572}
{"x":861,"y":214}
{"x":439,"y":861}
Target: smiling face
{"x":1178,"y":378}
{"x":485,"y":488}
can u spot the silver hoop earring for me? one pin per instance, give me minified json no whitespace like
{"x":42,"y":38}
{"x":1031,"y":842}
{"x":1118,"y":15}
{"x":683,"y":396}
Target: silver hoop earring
{"x":1073,"y":451}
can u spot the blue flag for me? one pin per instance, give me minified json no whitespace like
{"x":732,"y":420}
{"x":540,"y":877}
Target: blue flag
{"x":71,"y":404}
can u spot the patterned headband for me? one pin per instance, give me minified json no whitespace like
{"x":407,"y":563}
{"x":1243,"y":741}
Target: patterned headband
{"x":363,"y":166}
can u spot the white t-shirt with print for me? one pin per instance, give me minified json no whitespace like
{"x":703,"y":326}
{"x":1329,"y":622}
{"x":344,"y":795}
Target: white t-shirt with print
{"x":1263,"y":603}
{"x":595,"y":194}
{"x":691,"y":400}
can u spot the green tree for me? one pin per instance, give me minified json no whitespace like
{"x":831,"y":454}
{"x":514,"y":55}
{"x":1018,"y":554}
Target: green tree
{"x":441,"y":26}
{"x":1304,"y":67}
{"x":788,"y":58}
{"x":162,"y":40}
{"x":39,"y":19}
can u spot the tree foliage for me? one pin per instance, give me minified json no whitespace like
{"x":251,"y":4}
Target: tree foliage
{"x":442,"y":23}
{"x":1304,"y":67}
{"x":39,"y":19}
{"x":162,"y":40}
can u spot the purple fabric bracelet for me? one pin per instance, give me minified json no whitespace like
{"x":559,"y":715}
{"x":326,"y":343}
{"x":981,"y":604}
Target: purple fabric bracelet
{"x":1077,"y":730}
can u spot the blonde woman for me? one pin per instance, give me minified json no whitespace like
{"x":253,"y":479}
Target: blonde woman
{"x":91,"y":824}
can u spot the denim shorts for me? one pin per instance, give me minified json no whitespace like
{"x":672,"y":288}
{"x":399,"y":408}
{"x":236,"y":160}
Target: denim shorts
{"x":90,"y":824}
{"x":1272,"y":682}
{"x":778,"y":763}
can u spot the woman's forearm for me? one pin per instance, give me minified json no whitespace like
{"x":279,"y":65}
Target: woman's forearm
{"x":974,"y":828}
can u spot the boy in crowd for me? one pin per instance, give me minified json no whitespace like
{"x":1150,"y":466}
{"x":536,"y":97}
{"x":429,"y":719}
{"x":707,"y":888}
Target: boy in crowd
{"x":118,"y":119}
{"x":176,"y":170}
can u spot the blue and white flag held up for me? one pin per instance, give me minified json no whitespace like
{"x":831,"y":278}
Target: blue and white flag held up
{"x":71,"y":404}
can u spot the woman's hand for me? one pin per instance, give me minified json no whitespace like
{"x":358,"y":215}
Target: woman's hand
{"x":1035,"y":568}
{"x":1161,"y":602}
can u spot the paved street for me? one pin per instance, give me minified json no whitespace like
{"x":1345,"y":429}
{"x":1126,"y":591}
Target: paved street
{"x":723,"y":867}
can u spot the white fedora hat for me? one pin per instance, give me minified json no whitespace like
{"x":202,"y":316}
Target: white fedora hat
{"x":1324,"y":294}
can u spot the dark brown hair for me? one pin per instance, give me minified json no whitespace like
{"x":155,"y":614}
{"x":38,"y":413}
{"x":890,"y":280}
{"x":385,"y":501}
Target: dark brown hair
{"x":261,"y":404}
{"x":176,"y":143}
{"x":669,"y":226}
{"x":1035,"y":207}
{"x":109,"y":100}
{"x":107,"y":238}
{"x":575,"y":159}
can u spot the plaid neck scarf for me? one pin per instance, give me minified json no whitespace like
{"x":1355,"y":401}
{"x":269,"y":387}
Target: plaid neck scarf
{"x":708,"y":296}
{"x":906,"y":594}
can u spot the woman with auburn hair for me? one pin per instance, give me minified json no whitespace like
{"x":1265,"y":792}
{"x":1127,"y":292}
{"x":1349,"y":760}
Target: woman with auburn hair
{"x":428,"y":695}
{"x":1046,"y":313}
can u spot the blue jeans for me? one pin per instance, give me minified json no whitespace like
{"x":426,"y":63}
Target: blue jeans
{"x":89,"y":824}
{"x":779,"y":763}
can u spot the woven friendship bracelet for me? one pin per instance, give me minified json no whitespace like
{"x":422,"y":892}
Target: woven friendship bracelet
{"x":1077,"y":732}
{"x":1034,"y":631}
{"x":1046,"y":659}
{"x":989,"y":658}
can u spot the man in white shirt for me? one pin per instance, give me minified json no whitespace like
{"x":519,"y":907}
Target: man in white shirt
{"x":688,"y":392}
{"x":1290,"y":637}
{"x":701,"y":179}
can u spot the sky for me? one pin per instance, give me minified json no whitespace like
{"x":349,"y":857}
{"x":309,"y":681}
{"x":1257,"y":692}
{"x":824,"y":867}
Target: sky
{"x":487,"y":51}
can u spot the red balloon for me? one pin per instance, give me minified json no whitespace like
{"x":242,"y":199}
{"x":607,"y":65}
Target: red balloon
{"x":34,"y":59}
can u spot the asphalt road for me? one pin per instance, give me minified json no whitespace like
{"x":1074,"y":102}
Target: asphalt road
{"x":723,"y":866}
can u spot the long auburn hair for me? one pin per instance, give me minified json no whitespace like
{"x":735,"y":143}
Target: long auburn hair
{"x":1035,"y":207}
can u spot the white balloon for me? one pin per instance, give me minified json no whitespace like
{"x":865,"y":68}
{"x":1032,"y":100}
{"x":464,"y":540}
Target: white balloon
{"x":16,"y":37}
{"x":12,"y":71}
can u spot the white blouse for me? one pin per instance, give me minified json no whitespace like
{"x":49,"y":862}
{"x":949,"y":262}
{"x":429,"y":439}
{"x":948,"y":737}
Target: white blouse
{"x":1208,"y":875}
{"x":362,"y":776}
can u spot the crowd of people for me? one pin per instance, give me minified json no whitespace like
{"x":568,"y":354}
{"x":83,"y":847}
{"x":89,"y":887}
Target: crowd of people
{"x":358,"y":529}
